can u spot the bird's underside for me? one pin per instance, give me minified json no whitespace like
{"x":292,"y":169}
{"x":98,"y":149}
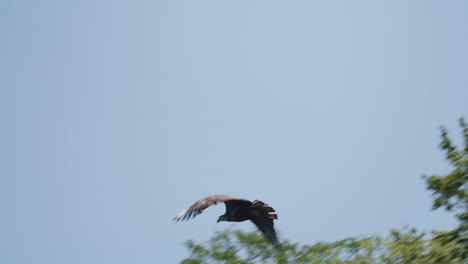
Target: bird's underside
{"x":237,"y":210}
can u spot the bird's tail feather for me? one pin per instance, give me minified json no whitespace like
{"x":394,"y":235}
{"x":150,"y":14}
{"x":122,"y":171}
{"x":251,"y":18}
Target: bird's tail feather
{"x":265,"y":209}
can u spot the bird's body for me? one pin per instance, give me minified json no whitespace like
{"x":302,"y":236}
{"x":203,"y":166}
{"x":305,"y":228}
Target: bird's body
{"x":237,"y":210}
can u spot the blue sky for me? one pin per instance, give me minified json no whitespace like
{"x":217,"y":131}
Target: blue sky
{"x":119,"y":114}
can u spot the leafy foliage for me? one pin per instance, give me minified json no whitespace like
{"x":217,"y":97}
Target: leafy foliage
{"x":400,"y":247}
{"x":406,"y":246}
{"x":451,"y":191}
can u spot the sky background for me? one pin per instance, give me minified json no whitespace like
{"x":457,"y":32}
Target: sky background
{"x":116,"y":115}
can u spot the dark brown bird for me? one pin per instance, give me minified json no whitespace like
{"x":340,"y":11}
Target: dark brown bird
{"x":237,"y":210}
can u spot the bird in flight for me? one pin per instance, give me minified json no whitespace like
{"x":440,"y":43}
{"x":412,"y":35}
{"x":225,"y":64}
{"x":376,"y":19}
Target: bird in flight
{"x":237,"y":210}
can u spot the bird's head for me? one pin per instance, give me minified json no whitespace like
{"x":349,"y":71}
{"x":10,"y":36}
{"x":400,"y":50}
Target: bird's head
{"x":221,"y":218}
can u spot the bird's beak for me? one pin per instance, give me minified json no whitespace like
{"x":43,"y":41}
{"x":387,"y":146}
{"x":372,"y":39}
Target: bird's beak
{"x":217,"y":221}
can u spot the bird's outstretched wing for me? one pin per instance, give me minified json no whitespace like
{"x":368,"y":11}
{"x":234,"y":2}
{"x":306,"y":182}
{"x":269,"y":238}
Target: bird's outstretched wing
{"x":263,"y":216}
{"x":200,"y":205}
{"x":265,"y":224}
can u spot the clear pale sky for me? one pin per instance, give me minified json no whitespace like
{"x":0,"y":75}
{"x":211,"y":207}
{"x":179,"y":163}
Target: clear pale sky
{"x":116,"y":115}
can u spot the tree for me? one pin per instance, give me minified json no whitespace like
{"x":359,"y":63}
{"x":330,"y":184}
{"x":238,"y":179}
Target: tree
{"x":405,"y":246}
{"x":451,"y":191}
{"x":399,"y":247}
